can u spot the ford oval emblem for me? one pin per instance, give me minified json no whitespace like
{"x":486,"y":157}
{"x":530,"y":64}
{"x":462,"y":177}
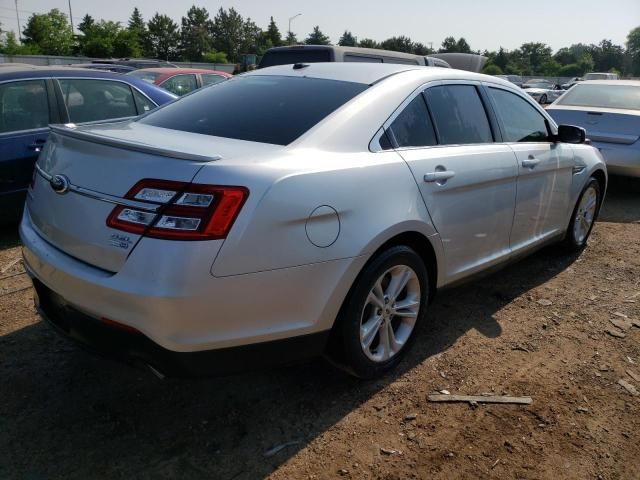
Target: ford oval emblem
{"x":59,"y":184}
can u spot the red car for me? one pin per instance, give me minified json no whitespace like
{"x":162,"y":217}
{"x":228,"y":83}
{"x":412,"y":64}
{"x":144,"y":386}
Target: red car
{"x":180,"y":80}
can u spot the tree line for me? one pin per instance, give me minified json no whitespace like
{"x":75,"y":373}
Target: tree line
{"x":228,"y":35}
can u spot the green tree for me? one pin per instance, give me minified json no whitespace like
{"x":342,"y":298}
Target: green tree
{"x":570,"y":70}
{"x":252,"y":37}
{"x":347,"y":40}
{"x":49,"y":32}
{"x":138,"y":30}
{"x":398,"y":44}
{"x":291,"y":39}
{"x":501,"y":59}
{"x":449,"y":44}
{"x":421,"y":49}
{"x":229,"y":33}
{"x":633,"y":50}
{"x":215,"y":57}
{"x":462,"y":46}
{"x":86,"y":23}
{"x":316,"y":37}
{"x":492,"y":69}
{"x":99,"y":38}
{"x":163,"y":37}
{"x":10,"y":46}
{"x":196,"y":34}
{"x":607,"y":55}
{"x":368,"y":43}
{"x":126,"y":44}
{"x":273,"y":34}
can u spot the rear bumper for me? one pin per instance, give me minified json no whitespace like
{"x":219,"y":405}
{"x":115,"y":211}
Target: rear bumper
{"x":621,"y":159}
{"x":133,"y":347}
{"x":168,"y":294}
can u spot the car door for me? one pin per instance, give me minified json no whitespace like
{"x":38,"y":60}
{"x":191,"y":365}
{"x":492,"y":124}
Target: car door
{"x":545,"y":169}
{"x":466,"y":179}
{"x":92,"y":100}
{"x":25,"y":114}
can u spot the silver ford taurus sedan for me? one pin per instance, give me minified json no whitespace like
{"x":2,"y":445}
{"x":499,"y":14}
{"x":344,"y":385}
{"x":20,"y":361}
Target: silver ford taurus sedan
{"x":295,"y":211}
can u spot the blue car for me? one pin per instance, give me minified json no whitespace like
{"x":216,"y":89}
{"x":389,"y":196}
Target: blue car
{"x":31,"y":98}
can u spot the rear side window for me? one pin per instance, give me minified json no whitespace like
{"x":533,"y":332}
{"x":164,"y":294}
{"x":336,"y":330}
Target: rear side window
{"x":362,"y":59}
{"x":93,"y":100}
{"x":209,"y":79}
{"x":23,"y":106}
{"x":180,"y":84}
{"x":413,"y":128}
{"x":287,"y":57}
{"x":143,"y":103}
{"x":267,"y":109}
{"x":459,"y":115}
{"x":520,"y":121}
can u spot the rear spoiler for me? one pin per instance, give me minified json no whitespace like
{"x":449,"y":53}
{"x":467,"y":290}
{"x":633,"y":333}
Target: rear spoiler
{"x":71,"y":130}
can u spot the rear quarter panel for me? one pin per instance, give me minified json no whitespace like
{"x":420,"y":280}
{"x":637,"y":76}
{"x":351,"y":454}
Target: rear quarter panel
{"x":374,"y":195}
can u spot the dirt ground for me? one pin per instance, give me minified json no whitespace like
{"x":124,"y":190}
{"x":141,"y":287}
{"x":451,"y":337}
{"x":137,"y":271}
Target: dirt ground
{"x":542,"y":327}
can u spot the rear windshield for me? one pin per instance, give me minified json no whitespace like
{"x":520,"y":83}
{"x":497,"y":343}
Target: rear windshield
{"x":287,"y":57}
{"x":150,"y":77}
{"x":266,"y":109}
{"x":605,"y":96}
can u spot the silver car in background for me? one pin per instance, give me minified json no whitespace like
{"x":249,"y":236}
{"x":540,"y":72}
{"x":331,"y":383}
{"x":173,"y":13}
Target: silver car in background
{"x":609,"y":110}
{"x":543,"y":91}
{"x":319,"y":214}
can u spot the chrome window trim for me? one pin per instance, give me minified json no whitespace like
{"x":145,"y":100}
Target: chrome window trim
{"x":376,"y":148}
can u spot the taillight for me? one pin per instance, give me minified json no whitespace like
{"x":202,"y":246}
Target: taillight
{"x":188,"y":211}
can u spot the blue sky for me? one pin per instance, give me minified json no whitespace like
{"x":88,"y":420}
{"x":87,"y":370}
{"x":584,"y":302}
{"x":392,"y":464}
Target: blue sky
{"x":486,"y":24}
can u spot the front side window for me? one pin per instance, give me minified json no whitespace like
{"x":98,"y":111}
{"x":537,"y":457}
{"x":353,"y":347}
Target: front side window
{"x":94,"y":100}
{"x":24,"y":105}
{"x":180,"y":84}
{"x":413,"y":128}
{"x":521,"y":122}
{"x":268,"y":109}
{"x":459,"y":115}
{"x":209,"y":79}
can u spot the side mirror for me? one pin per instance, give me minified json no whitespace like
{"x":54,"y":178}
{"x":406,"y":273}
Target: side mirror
{"x":571,"y":134}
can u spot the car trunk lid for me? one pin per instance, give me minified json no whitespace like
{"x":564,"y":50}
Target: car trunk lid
{"x":601,"y":124}
{"x":92,"y":170}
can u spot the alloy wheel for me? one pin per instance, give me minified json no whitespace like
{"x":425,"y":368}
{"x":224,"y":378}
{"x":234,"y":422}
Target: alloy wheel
{"x":585,"y":214}
{"x":390,"y":313}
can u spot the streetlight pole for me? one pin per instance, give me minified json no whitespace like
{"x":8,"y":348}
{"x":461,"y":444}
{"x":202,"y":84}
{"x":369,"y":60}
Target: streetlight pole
{"x":70,"y":18}
{"x":18,"y":18}
{"x":290,"y":18}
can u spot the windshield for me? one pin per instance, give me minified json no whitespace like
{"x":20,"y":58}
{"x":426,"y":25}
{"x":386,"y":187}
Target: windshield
{"x":300,"y":55}
{"x":605,"y":96}
{"x":150,"y":77}
{"x":267,"y":109}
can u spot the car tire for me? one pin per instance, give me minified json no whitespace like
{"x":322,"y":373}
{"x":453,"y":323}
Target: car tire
{"x":543,"y":99}
{"x":584,"y":216}
{"x":360,"y":314}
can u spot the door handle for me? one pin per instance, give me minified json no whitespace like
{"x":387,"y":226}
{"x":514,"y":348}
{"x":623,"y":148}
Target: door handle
{"x":530,"y":162}
{"x":37,"y":145}
{"x":440,"y":176}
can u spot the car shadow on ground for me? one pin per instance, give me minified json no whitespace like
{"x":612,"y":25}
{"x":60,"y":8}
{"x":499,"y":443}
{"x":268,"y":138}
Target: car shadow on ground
{"x":67,"y":414}
{"x":622,"y":202}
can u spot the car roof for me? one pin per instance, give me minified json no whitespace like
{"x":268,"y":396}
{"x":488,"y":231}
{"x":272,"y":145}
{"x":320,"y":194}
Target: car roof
{"x":369,"y":73}
{"x":633,"y":83}
{"x":177,"y":71}
{"x":32,"y":71}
